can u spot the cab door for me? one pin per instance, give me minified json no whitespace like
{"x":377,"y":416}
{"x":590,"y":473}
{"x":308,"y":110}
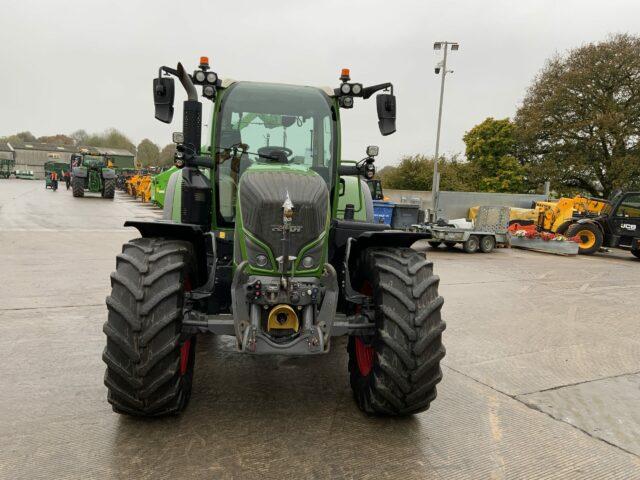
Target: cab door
{"x":625,"y":219}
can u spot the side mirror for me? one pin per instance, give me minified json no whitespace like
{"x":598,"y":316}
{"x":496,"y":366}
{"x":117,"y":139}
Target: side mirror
{"x":386,"y":104}
{"x":288,"y":120}
{"x":163,"y":94}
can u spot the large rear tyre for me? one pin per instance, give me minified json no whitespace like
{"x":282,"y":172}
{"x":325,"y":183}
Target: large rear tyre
{"x":149,"y":361}
{"x":635,"y":253}
{"x":395,"y":371}
{"x":109,"y":188}
{"x":590,"y":237}
{"x":78,"y":186}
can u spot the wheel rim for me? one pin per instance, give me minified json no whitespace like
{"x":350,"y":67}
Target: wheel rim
{"x":186,"y":346}
{"x":184,"y":356}
{"x":364,"y":357}
{"x":587,"y":238}
{"x":364,"y":353}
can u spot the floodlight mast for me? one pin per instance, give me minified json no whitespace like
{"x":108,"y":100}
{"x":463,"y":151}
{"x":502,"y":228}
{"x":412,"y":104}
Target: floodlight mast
{"x":435,"y":186}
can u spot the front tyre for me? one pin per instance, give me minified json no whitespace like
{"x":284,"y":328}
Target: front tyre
{"x":149,"y":361}
{"x":109,"y":190}
{"x":589,"y":236}
{"x":78,"y":186}
{"x":395,"y":371}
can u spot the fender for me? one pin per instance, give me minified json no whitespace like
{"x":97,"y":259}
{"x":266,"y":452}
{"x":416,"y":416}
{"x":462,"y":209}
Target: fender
{"x":80,"y":172}
{"x":389,"y":238}
{"x":592,"y":221}
{"x":351,"y":238}
{"x":194,"y":234}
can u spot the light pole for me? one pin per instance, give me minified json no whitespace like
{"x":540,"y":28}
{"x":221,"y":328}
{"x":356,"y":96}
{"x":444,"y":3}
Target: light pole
{"x":442,"y":69}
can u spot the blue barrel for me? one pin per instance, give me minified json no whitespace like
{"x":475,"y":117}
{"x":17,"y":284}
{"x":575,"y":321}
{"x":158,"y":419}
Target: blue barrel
{"x":383,"y":211}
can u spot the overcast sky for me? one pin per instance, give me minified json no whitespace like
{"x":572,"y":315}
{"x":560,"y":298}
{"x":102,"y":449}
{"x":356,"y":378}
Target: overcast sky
{"x":89,"y":64}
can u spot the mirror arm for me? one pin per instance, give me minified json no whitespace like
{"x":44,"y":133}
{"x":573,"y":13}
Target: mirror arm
{"x":168,"y":71}
{"x":368,"y":91}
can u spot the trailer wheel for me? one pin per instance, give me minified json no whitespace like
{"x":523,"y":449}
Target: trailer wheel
{"x":487,"y":244}
{"x":590,"y":237}
{"x":435,"y":243}
{"x":450,"y":244}
{"x":635,"y":253}
{"x":149,"y":361}
{"x":471,"y":245}
{"x":77,"y":185}
{"x":395,"y":371}
{"x":109,"y":188}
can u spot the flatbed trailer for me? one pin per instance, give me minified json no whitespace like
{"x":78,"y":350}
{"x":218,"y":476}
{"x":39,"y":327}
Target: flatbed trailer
{"x":490,"y":229}
{"x":471,"y":240}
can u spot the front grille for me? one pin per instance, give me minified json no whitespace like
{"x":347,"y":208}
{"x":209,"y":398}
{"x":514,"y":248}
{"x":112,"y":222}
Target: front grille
{"x":262,"y":195}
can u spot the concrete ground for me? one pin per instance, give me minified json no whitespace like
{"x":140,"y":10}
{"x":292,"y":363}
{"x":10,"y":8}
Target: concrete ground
{"x":541,"y":377}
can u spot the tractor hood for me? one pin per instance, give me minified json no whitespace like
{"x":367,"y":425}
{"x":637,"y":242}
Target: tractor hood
{"x":265,"y":192}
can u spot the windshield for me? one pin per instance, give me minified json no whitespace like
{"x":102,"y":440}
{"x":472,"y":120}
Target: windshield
{"x":278,"y":124}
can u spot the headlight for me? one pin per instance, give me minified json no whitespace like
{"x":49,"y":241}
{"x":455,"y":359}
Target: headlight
{"x":257,"y":255}
{"x":356,"y":88}
{"x":307,"y":262}
{"x":347,"y":102}
{"x":212,"y":77}
{"x":208,"y":91}
{"x":345,"y":88}
{"x":199,"y":76}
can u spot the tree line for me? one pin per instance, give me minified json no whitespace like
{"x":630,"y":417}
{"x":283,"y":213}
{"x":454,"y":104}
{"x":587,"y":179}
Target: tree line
{"x":578,"y":127}
{"x":147,"y":153}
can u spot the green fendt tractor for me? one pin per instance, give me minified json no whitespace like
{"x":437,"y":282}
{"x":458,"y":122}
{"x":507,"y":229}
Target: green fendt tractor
{"x":92,"y":173}
{"x":254,"y":245}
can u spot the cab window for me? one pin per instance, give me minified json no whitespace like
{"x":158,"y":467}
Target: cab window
{"x":629,"y":207}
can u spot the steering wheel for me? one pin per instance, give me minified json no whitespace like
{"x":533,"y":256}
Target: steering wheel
{"x":275,"y":154}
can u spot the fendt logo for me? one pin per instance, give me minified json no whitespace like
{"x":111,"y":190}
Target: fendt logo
{"x":628,"y":226}
{"x":292,"y":228}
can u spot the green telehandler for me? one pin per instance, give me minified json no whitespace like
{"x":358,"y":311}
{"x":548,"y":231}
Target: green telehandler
{"x":92,"y":173}
{"x":256,"y":244}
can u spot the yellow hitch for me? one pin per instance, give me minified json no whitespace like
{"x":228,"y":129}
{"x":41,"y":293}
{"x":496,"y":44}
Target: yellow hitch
{"x":282,"y":317}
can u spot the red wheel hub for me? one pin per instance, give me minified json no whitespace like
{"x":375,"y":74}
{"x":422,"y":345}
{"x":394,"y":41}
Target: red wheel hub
{"x":186,"y":346}
{"x":364,"y":357}
{"x":364,"y":353}
{"x":184,"y":356}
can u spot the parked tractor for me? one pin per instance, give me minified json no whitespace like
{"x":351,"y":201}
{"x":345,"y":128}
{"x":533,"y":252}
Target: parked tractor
{"x":252,"y":245}
{"x":92,"y":173}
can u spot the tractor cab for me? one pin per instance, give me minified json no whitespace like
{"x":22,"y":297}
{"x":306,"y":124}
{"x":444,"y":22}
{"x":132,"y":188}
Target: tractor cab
{"x":261,"y":128}
{"x":620,"y":221}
